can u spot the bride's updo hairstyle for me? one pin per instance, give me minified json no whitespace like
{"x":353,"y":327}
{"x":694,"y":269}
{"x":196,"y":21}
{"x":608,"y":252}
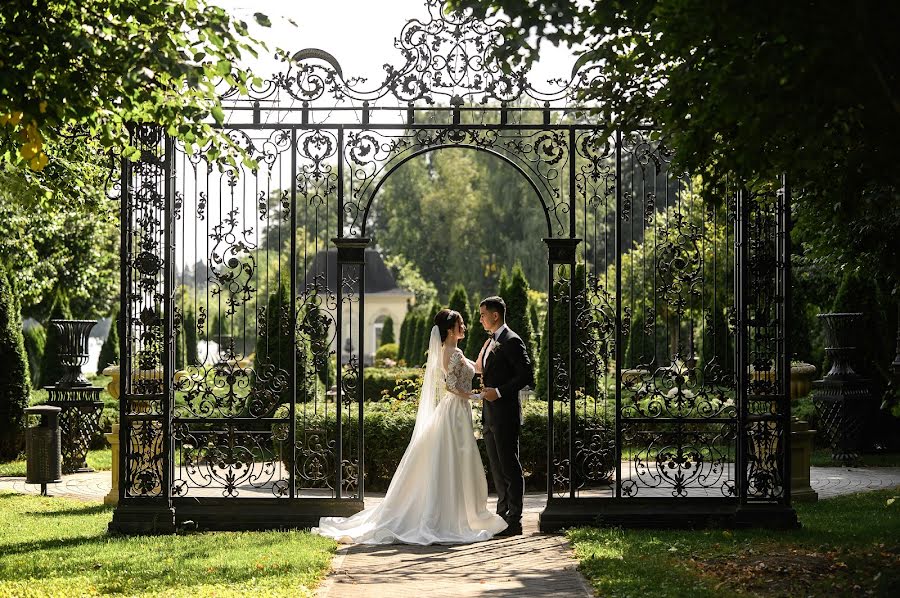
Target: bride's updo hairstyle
{"x":446,"y":320}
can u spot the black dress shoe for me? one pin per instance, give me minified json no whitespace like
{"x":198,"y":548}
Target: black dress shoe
{"x":513,"y":529}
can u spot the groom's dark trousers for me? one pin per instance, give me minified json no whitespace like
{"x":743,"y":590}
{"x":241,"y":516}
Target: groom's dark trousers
{"x":508,"y":369}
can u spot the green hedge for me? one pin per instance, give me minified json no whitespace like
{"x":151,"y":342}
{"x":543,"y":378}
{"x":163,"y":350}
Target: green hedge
{"x":389,"y":427}
{"x":387,"y":351}
{"x":388,"y":383}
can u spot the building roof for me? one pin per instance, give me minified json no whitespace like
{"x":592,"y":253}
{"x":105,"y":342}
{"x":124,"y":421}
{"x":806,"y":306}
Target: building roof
{"x":378,"y":276}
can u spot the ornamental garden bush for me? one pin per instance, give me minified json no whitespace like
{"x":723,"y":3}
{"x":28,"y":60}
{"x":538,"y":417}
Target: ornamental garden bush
{"x":386,"y":351}
{"x":15,"y":386}
{"x":389,"y":426}
{"x":382,"y":384}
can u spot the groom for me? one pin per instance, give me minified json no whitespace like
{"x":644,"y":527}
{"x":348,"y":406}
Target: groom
{"x":506,"y":370}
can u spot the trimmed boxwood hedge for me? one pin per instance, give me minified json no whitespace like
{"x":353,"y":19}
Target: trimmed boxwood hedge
{"x":382,"y":384}
{"x":389,"y":427}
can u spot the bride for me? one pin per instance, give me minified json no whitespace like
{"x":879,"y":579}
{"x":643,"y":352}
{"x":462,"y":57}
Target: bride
{"x":438,"y":494}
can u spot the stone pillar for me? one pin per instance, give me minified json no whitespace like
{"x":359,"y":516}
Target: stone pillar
{"x":113,"y":437}
{"x":801,"y":453}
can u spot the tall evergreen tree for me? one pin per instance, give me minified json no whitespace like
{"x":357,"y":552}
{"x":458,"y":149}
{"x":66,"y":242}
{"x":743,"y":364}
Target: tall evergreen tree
{"x":517,"y":317}
{"x":217,"y":329}
{"x":318,"y":337}
{"x":717,"y":342}
{"x":459,"y":301}
{"x":535,"y":327}
{"x":387,"y":331}
{"x":312,"y":373}
{"x":51,"y":365}
{"x":180,"y":347}
{"x":190,"y":338}
{"x":417,"y":358}
{"x":559,"y":344}
{"x":874,"y":335}
{"x":274,"y":353}
{"x":15,"y":387}
{"x":404,"y":337}
{"x":35,"y":341}
{"x":503,"y":283}
{"x":109,"y":352}
{"x":477,"y":334}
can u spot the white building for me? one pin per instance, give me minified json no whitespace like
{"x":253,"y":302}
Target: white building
{"x":383,"y":299}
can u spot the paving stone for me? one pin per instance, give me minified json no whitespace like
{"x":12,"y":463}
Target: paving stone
{"x":529,"y":565}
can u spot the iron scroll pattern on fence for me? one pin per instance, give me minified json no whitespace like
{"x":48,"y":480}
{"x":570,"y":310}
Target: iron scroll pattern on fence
{"x":666,"y":313}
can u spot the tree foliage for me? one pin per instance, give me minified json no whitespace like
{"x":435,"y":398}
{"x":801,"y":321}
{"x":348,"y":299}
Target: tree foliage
{"x":91,"y":67}
{"x":751,"y":89}
{"x":559,"y":344}
{"x":459,"y":216}
{"x":15,"y":387}
{"x":72,"y":245}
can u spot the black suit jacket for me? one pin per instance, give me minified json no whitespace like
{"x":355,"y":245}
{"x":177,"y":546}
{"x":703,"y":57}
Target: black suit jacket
{"x":509,"y":370}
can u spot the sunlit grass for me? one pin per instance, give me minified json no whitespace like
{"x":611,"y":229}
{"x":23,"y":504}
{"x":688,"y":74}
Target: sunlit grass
{"x":848,"y":545}
{"x":101,"y":460}
{"x":60,"y":547}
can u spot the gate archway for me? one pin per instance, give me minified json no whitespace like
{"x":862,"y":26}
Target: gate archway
{"x":667,"y":365}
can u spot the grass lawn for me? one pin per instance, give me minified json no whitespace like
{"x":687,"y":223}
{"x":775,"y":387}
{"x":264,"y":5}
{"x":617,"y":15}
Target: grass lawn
{"x":100,"y":460}
{"x":849,"y":546}
{"x":60,"y":547}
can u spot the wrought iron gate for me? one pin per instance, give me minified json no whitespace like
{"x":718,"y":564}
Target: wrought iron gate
{"x":667,"y":386}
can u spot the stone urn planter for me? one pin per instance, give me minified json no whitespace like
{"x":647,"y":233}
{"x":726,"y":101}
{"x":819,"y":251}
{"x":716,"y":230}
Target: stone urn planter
{"x":801,"y":378}
{"x":73,"y":351}
{"x":802,"y":375}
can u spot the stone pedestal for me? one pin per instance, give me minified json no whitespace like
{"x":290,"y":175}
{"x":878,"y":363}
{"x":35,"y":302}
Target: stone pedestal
{"x":112,"y":498}
{"x":842,"y":398}
{"x":79,"y":421}
{"x":113,"y":437}
{"x":801,"y":454}
{"x":845,"y":407}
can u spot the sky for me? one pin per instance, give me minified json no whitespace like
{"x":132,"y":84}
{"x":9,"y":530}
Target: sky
{"x":359,"y":33}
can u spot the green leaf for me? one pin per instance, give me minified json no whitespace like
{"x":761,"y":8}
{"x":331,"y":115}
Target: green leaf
{"x":262,"y":19}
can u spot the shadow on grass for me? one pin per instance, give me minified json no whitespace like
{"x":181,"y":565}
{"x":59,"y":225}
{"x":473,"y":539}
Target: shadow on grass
{"x":69,"y":540}
{"x":90,"y":509}
{"x":846,"y":543}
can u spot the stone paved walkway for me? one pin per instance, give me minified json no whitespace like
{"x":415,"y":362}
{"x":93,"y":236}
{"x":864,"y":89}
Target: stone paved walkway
{"x":529,"y":565}
{"x":522,"y":566}
{"x":827,"y":481}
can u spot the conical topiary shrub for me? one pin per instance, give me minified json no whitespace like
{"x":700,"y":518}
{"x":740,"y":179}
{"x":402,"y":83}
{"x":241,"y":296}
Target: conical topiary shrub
{"x":387,"y":331}
{"x":15,"y":388}
{"x":190,"y":338}
{"x":35,"y":341}
{"x":109,"y":352}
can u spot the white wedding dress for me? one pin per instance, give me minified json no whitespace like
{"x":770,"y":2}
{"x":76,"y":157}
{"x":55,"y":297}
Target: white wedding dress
{"x":438,"y":494}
